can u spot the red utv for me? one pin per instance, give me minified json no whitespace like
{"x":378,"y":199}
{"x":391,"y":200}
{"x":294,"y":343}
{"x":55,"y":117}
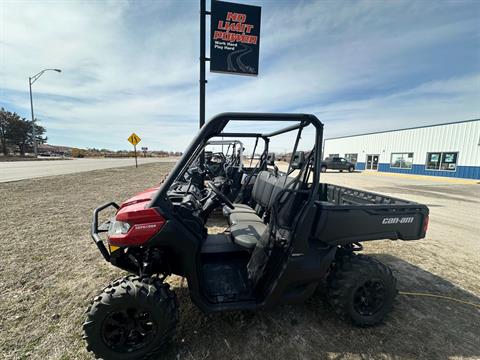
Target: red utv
{"x":288,"y":233}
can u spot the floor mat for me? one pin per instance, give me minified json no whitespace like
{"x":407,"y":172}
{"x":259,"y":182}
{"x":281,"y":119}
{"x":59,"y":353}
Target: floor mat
{"x":226,"y":282}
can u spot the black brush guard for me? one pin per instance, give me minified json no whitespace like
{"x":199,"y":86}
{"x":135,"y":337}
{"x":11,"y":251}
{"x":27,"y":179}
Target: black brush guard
{"x":95,"y":230}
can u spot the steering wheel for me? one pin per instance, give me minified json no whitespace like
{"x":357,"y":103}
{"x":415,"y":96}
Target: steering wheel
{"x":222,"y":197}
{"x":208,"y":169}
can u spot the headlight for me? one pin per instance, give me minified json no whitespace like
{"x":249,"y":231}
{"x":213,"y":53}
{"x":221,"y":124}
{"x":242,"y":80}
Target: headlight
{"x":118,"y":228}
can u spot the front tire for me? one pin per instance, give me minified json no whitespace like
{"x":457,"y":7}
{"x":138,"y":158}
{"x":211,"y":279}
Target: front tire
{"x":132,"y":318}
{"x":351,"y":169}
{"x":324,"y":168}
{"x":361,"y":289}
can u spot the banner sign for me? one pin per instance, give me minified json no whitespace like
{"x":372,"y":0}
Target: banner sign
{"x":235,"y":38}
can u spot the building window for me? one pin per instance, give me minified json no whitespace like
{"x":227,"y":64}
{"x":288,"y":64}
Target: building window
{"x":442,"y":161}
{"x":401,"y":160}
{"x":333,"y":155}
{"x":351,"y":158}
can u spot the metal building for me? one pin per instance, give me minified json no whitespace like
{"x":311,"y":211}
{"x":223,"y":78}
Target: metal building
{"x":451,"y":149}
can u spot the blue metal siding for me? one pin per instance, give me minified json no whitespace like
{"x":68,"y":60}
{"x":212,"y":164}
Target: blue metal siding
{"x":469,"y":172}
{"x":360,"y":166}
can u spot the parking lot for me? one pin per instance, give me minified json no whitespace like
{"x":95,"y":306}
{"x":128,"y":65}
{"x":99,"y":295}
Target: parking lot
{"x":50,"y":269}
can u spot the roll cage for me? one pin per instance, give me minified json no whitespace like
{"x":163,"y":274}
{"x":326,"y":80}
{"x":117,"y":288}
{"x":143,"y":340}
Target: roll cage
{"x":215,"y":126}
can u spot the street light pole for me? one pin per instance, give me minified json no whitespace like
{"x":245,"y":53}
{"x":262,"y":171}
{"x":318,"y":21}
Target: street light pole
{"x":31,"y":80}
{"x":34,"y":130}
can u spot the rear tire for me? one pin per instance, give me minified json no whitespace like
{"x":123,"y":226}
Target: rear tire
{"x":132,"y":318}
{"x":361,"y":289}
{"x":324,"y":168}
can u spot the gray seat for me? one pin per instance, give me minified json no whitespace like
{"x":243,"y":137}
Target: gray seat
{"x":247,"y":234}
{"x":240,"y":217}
{"x":260,"y":191}
{"x":247,"y":225}
{"x":219,"y":180}
{"x":239,"y":208}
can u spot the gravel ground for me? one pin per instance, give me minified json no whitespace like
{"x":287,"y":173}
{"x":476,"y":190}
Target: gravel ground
{"x":50,"y":269}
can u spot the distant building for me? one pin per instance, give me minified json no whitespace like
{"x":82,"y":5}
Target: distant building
{"x":54,"y":150}
{"x":451,"y":149}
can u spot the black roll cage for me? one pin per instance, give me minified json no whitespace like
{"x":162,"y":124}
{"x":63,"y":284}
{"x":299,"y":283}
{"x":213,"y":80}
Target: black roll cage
{"x":214,"y":127}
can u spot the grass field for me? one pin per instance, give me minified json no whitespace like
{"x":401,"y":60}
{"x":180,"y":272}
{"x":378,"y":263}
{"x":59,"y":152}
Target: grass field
{"x":50,"y":269}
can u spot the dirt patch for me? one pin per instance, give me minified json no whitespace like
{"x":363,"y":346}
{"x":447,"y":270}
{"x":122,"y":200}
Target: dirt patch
{"x":50,"y":269}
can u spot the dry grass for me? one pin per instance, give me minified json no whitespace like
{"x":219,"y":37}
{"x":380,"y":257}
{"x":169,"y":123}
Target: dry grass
{"x":49,"y":270}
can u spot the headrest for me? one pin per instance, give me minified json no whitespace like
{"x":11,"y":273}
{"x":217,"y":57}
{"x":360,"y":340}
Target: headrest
{"x":298,"y":160}
{"x":271,"y":159}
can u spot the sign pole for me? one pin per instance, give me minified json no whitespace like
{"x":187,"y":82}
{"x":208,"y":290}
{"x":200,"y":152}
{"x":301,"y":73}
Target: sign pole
{"x":135,"y":150}
{"x":203,"y":60}
{"x":134,"y":139}
{"x":203,"y":81}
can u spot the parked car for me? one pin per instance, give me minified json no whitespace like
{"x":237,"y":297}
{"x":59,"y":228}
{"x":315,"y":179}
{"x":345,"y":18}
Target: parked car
{"x":337,"y":163}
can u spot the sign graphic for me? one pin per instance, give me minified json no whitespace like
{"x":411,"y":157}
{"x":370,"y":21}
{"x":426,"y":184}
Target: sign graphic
{"x":235,"y":38}
{"x":134,"y":139}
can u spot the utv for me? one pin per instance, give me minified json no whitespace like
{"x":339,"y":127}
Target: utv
{"x":289,"y":235}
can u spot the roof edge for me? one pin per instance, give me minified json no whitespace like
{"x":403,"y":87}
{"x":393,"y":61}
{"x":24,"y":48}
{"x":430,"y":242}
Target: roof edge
{"x":410,"y":128}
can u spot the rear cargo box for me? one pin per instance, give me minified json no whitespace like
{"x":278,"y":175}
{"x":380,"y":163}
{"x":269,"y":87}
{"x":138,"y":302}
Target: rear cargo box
{"x":348,"y":215}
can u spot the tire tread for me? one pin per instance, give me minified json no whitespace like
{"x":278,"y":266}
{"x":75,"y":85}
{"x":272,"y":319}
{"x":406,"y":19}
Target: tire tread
{"x":154,"y":291}
{"x":343,"y":278}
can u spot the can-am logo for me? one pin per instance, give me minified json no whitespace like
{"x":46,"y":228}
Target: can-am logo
{"x":397,"y":220}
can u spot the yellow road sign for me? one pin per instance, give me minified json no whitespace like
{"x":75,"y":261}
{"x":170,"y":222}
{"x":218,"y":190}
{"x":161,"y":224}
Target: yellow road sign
{"x":134,"y":139}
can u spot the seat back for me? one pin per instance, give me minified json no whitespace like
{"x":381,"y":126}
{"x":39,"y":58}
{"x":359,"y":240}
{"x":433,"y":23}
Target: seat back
{"x":262,"y":189}
{"x":267,"y":187}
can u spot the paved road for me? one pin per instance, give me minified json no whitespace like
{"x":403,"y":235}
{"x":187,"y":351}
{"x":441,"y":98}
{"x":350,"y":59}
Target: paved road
{"x":20,"y":170}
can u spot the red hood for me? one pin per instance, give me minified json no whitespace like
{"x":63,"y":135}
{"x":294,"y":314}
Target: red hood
{"x":145,"y":222}
{"x":143,"y":197}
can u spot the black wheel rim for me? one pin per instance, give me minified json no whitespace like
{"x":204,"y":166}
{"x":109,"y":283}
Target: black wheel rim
{"x":128,"y":330}
{"x":369,"y":298}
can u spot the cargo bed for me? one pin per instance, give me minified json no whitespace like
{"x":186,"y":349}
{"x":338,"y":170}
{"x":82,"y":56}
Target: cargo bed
{"x":348,"y":215}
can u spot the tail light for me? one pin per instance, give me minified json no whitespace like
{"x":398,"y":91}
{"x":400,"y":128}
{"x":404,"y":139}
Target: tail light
{"x":425,"y":224}
{"x":135,"y":227}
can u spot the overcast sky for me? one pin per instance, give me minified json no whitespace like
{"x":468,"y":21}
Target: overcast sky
{"x":133,"y":66}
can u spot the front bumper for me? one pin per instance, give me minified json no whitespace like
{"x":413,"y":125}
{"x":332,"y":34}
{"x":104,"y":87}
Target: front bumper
{"x":96,"y":230}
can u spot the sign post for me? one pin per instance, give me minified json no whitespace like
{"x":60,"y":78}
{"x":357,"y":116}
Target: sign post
{"x":134,"y":139}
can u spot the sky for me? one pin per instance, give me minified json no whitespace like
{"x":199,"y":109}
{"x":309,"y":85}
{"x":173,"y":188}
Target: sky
{"x":359,"y":66}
